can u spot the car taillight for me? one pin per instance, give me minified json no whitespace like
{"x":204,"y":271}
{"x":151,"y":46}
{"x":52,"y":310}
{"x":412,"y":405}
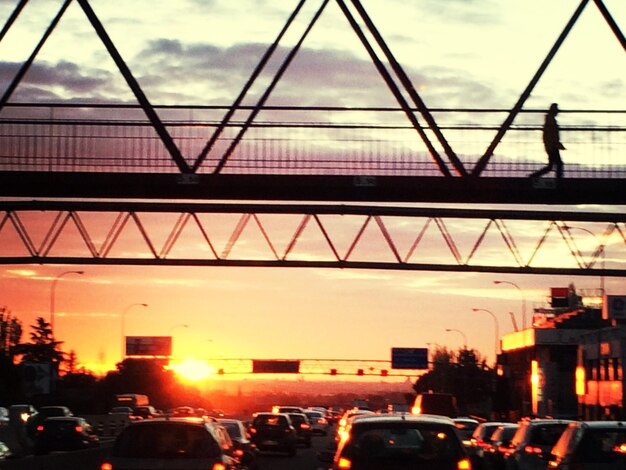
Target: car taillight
{"x":252,"y":430}
{"x":40,"y":428}
{"x":464,"y":464}
{"x":218,"y":466}
{"x":620,"y":449}
{"x":344,"y":463}
{"x":553,"y":464}
{"x":238,"y":453}
{"x":321,"y":421}
{"x":78,"y":428}
{"x":305,"y":426}
{"x":533,"y":450}
{"x":106,"y":466}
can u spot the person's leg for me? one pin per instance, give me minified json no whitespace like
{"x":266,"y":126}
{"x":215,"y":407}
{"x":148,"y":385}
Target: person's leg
{"x":543,"y":171}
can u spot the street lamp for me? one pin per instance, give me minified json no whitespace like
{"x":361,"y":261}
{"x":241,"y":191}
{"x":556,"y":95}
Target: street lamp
{"x":123,"y":322}
{"x":523,"y":299}
{"x":497,"y":327}
{"x":600,"y":251}
{"x":462,"y":334}
{"x":53,"y":292}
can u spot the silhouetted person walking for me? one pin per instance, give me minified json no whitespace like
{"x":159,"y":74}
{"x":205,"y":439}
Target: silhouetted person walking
{"x":552,"y":144}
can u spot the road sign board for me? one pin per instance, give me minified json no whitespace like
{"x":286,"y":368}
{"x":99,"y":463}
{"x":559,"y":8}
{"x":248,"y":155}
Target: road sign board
{"x":409,"y":358}
{"x":148,"y":345}
{"x":275,"y":367}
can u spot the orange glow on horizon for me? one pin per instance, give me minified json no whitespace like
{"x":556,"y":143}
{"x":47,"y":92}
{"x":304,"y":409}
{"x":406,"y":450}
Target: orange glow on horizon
{"x":193,"y":370}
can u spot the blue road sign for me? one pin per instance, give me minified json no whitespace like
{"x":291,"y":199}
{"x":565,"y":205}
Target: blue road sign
{"x":409,"y":358}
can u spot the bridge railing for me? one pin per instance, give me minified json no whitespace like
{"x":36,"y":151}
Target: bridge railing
{"x":290,"y":140}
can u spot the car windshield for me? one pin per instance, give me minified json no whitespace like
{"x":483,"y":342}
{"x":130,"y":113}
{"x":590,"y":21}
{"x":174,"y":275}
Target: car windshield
{"x":270,"y":420}
{"x":166,"y":441}
{"x":603,"y":445}
{"x":297,"y":419}
{"x":546,"y":434}
{"x":407,"y":443}
{"x":233,"y":429}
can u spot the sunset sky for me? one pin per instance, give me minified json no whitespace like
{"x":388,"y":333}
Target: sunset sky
{"x":459,"y":53}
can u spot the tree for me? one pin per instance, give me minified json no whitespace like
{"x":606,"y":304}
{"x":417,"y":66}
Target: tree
{"x":464,"y":374}
{"x":42,"y":348}
{"x":10,"y":334}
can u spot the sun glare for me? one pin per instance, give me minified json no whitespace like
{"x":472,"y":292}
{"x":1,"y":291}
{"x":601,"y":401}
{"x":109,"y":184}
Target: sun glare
{"x":193,"y":370}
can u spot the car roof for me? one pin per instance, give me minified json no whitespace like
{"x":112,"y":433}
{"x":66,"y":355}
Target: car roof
{"x":602,"y":424}
{"x":190,"y":420}
{"x":399,"y":418}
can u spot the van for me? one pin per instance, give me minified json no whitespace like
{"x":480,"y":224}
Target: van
{"x":435,"y":404}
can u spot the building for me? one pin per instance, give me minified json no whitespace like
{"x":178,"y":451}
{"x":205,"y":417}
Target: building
{"x":570,"y":362}
{"x":601,"y":357}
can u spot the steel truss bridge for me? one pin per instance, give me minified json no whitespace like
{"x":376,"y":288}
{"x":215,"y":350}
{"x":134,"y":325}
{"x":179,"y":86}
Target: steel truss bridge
{"x":74,"y":162}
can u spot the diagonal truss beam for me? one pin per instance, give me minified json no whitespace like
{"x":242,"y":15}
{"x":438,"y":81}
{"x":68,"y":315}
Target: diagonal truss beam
{"x":482,"y":163}
{"x":367,"y":223}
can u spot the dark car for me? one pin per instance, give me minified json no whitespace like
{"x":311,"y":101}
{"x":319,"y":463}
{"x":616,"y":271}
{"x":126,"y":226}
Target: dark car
{"x":64,"y":433}
{"x":400,"y":442}
{"x":591,"y":445}
{"x":245,"y":450}
{"x":499,"y":448}
{"x":146,"y":412}
{"x":42,"y":414}
{"x":303,"y":428}
{"x":481,"y":441}
{"x":274,"y":432}
{"x":5,"y":452}
{"x":173,"y":443}
{"x":466,"y":427}
{"x":532,"y":443}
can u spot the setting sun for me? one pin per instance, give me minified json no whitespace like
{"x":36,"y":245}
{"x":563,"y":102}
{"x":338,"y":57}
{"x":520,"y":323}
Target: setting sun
{"x":193,"y":370}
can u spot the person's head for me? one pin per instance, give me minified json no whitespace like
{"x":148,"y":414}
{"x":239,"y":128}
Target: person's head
{"x":554,"y":109}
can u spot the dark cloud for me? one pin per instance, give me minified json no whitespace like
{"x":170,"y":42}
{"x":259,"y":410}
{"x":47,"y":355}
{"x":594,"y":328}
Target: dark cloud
{"x":172,"y":72}
{"x":52,"y":81}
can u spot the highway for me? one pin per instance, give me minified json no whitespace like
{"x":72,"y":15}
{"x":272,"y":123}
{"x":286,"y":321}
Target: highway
{"x":306,"y":459}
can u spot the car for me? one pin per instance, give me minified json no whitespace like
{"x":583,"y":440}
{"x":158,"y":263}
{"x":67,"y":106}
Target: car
{"x":5,"y":452}
{"x":345,"y":419}
{"x":435,"y":403}
{"x":466,"y":427}
{"x":499,"y":449}
{"x":170,"y":443}
{"x":4,"y":417}
{"x":400,"y":442}
{"x":317,"y":420}
{"x":590,"y":445}
{"x":245,"y":450}
{"x":146,"y":412}
{"x":274,"y":432}
{"x":532,"y":442}
{"x":287,"y":409}
{"x":481,"y":440}
{"x":303,"y":428}
{"x":64,"y":433}
{"x":42,"y":414}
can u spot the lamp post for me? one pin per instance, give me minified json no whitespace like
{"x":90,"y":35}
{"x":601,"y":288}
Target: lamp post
{"x":523,"y":299}
{"x":497,"y":328}
{"x":53,"y":293}
{"x":123,"y":323}
{"x":600,"y":252}
{"x":462,"y":334}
